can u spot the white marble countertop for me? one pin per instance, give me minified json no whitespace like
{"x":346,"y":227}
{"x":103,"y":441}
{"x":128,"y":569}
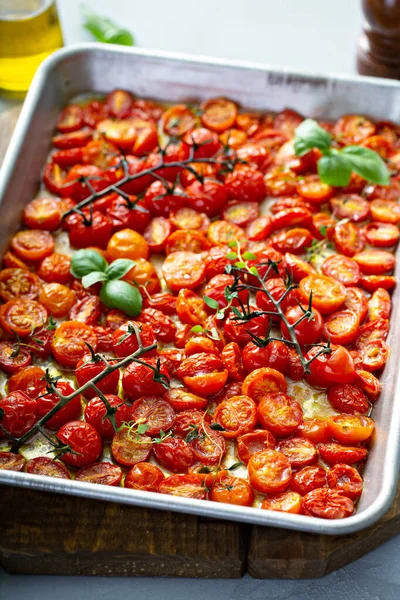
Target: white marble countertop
{"x":311,"y":34}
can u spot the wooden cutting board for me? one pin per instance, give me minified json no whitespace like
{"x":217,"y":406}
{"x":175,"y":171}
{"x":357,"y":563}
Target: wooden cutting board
{"x":45,"y":533}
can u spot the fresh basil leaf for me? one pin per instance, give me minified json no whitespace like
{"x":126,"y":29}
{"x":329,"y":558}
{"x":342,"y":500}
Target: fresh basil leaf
{"x":334,"y":169}
{"x":367,"y":163}
{"x":119,"y":268}
{"x":310,"y":135}
{"x":106,"y":30}
{"x":92,"y":278}
{"x":122,"y":295}
{"x":86,"y":261}
{"x":211,"y":302}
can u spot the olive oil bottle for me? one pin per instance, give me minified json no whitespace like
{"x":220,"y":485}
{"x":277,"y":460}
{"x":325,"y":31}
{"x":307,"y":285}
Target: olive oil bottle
{"x":29,"y":32}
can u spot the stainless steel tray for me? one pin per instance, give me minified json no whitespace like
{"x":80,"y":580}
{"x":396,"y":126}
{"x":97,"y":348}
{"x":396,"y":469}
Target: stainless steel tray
{"x":172,"y":77}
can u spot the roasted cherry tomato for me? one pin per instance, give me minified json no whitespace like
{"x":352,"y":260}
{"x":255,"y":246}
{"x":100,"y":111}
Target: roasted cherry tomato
{"x":307,"y":479}
{"x":9,"y":461}
{"x":269,"y":471}
{"x":28,"y":380}
{"x":327,"y":503}
{"x":144,"y":379}
{"x":263,"y":381}
{"x":69,"y":342}
{"x":231,"y":490}
{"x":347,"y":479}
{"x":203,"y":374}
{"x":32,"y":244}
{"x":188,"y":486}
{"x":18,"y":413}
{"x":327,"y":369}
{"x":18,"y":283}
{"x":43,"y":465}
{"x":144,"y":476}
{"x":55,"y":269}
{"x":308,"y":330}
{"x":22,"y":317}
{"x":103,"y":473}
{"x":279,"y":413}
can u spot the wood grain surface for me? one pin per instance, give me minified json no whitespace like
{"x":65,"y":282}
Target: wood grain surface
{"x":46,"y":533}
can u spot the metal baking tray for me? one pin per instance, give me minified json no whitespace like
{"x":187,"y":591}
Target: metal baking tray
{"x":175,"y":78}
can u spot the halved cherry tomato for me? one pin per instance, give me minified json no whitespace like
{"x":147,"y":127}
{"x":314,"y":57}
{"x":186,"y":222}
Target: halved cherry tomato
{"x":186,"y":241}
{"x":18,"y":283}
{"x":155,"y":412}
{"x":188,"y":486}
{"x":127,"y":243}
{"x":177,"y":120}
{"x":348,"y":239}
{"x":9,"y":461}
{"x":299,"y":451}
{"x":32,"y":245}
{"x":375,"y":262}
{"x":385,"y":211}
{"x":353,"y":129}
{"x":42,"y":213}
{"x":381,"y":235}
{"x":253,"y":442}
{"x":294,"y":240}
{"x":280,"y":183}
{"x":232,"y":490}
{"x":22,"y":316}
{"x":347,"y":479}
{"x":336,"y":453}
{"x":119,"y":103}
{"x":13,"y":357}
{"x":43,"y":465}
{"x":157,"y":232}
{"x":237,"y":416}
{"x":327,"y":503}
{"x":307,"y":479}
{"x":350,"y":206}
{"x":372,"y":282}
{"x":374,"y":355}
{"x":163,"y":301}
{"x":144,"y":476}
{"x":313,"y":189}
{"x":74,"y":139}
{"x":121,"y":133}
{"x":279,"y":413}
{"x":379,"y":305}
{"x":241,"y":213}
{"x":103,"y":473}
{"x":259,"y":229}
{"x":327,"y":294}
{"x":28,"y":380}
{"x":269,"y":471}
{"x":70,"y":119}
{"x":129,"y":448}
{"x":86,"y":310}
{"x":218,"y":114}
{"x":190,"y":308}
{"x":58,"y":299}
{"x":233,"y":138}
{"x":316,"y":430}
{"x":203,"y":373}
{"x":188,"y":218}
{"x":182,"y":400}
{"x":263,"y":381}
{"x":297,"y":268}
{"x":288,"y":501}
{"x":183,"y":270}
{"x":342,"y":327}
{"x":341,"y":268}
{"x":55,"y":268}
{"x":68,"y":343}
{"x":356,"y":302}
{"x":351,"y":429}
{"x":207,"y":445}
{"x":373,"y":330}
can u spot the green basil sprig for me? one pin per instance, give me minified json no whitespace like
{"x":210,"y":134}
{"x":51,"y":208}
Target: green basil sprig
{"x":335,"y":166}
{"x":92,"y":267}
{"x":106,"y":30}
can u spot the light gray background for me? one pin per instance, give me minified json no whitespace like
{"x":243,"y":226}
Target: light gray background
{"x":318,"y":35}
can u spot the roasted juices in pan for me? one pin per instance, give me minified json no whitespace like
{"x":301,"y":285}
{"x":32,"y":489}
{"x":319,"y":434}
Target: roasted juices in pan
{"x":197,"y":303}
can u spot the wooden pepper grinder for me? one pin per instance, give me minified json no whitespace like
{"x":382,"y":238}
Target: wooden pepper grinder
{"x":378,"y":51}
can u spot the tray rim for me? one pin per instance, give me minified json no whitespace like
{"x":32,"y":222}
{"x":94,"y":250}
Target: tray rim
{"x":250,"y":515}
